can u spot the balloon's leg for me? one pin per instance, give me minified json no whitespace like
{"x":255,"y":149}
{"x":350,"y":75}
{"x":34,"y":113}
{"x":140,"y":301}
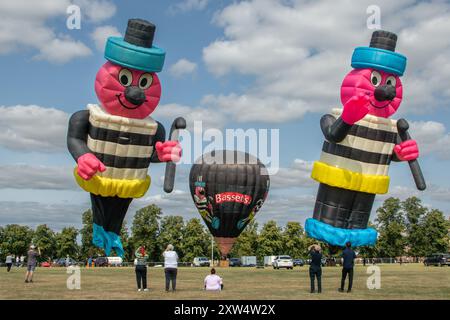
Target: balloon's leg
{"x":108,"y":215}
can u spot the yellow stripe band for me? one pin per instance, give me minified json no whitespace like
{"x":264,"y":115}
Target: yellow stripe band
{"x":346,"y":179}
{"x":107,"y":187}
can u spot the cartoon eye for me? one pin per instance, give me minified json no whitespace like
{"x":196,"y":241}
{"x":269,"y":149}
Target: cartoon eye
{"x":375,"y":78}
{"x":391,"y":81}
{"x":125,"y":77}
{"x":145,"y":81}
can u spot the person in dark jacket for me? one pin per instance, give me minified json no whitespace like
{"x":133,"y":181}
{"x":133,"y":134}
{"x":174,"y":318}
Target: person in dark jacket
{"x":348,"y":257}
{"x":315,"y":268}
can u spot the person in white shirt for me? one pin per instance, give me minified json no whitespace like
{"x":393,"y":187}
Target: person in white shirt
{"x":213,"y":281}
{"x":170,"y":267}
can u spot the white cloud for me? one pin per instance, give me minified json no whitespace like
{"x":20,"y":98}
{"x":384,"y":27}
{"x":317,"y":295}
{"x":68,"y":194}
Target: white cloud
{"x":23,"y":176}
{"x":101,"y":34}
{"x":182,"y":67}
{"x":297,"y":175}
{"x":23,"y":25}
{"x":188,"y":5}
{"x":97,"y":10}
{"x":432,"y":138}
{"x":33,"y":128}
{"x":299,"y":51}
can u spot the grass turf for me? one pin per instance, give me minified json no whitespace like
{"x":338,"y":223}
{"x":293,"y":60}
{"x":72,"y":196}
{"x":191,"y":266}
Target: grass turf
{"x":408,"y":281}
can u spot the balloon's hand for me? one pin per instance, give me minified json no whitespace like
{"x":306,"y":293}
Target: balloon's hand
{"x":407,"y":150}
{"x":168,"y":151}
{"x":356,"y":108}
{"x":89,"y":165}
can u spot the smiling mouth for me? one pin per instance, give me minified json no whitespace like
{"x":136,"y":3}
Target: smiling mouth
{"x":382,"y":107}
{"x":123,"y":105}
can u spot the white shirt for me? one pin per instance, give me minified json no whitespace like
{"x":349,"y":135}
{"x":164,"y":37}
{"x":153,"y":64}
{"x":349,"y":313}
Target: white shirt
{"x":170,"y":259}
{"x":213,"y":282}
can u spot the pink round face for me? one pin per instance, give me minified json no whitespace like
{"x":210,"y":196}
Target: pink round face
{"x":378,"y":85}
{"x":127,"y":92}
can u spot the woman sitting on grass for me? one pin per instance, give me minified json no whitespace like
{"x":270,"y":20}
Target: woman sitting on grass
{"x":213,"y":282}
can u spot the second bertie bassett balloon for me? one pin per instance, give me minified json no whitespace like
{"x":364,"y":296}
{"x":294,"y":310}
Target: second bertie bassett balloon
{"x":360,"y":142}
{"x":115,"y":141}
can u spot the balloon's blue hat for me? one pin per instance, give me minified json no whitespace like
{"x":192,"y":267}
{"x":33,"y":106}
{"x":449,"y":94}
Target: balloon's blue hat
{"x":136,"y":49}
{"x":380,"y":54}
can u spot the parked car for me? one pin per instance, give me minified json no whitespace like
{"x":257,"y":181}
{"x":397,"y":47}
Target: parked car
{"x":101,"y":262}
{"x":283,"y":262}
{"x":438,"y":259}
{"x":235,"y":262}
{"x":201,"y":262}
{"x":46,"y":264}
{"x":115,"y":261}
{"x":298,"y":262}
{"x":61,"y":262}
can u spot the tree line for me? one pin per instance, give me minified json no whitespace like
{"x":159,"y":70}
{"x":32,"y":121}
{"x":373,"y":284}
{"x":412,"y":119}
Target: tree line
{"x":405,"y":228}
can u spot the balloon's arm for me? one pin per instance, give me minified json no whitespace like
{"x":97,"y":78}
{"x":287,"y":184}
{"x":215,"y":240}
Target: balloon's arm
{"x":161,"y":137}
{"x":334,"y":130}
{"x":77,"y":134}
{"x":402,"y":127}
{"x":169,"y":176}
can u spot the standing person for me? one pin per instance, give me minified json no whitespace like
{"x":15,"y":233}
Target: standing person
{"x":315,"y":268}
{"x":348,"y":255}
{"x":141,"y":268}
{"x":213,"y":281}
{"x":31,"y":262}
{"x":17,"y":261}
{"x":170,"y":267}
{"x":9,"y":262}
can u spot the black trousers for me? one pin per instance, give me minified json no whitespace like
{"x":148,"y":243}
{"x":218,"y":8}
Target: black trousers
{"x":171,"y":275}
{"x":8,"y":266}
{"x":345,"y":272}
{"x":109,"y":212}
{"x":343,"y":208}
{"x":316,"y":273}
{"x":141,"y":276}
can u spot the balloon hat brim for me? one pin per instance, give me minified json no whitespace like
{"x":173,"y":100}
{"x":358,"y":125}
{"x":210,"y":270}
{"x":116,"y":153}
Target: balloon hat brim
{"x":379,"y":59}
{"x":120,"y":52}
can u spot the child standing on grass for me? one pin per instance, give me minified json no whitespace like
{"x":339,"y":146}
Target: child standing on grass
{"x":141,"y":268}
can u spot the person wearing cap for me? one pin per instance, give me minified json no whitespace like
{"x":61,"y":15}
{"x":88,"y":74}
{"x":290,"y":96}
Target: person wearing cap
{"x":32,"y":255}
{"x":348,"y":262}
{"x":114,"y":142}
{"x":360,"y":142}
{"x":315,"y":268}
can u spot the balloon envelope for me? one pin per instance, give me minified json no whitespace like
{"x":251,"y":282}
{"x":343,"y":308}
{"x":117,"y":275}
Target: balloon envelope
{"x":228,"y":189}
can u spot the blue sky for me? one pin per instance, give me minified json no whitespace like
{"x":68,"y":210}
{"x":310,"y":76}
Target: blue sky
{"x":232,"y":64}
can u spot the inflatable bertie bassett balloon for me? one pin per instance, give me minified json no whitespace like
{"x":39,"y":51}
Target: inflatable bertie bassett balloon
{"x":360,"y":143}
{"x":228,"y":189}
{"x":115,"y":141}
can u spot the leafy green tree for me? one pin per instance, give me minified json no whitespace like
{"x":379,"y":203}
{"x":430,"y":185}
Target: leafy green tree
{"x":171,"y":232}
{"x":195,"y":240}
{"x":247,"y":243}
{"x":16,"y":239}
{"x":125,"y":238}
{"x":436,"y":229}
{"x":145,"y":231}
{"x":66,"y":243}
{"x":414,"y":213}
{"x":294,"y":240}
{"x":44,"y":238}
{"x":270,"y":240}
{"x":391,"y":227}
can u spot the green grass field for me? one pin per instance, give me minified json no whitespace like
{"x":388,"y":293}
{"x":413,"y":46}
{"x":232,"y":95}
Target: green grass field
{"x":409,"y":281}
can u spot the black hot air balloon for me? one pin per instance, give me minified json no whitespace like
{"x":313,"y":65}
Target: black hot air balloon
{"x":228,"y":189}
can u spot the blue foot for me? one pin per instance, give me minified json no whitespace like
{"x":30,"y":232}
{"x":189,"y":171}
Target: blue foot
{"x":338,"y":236}
{"x":101,"y":239}
{"x":116,"y":243}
